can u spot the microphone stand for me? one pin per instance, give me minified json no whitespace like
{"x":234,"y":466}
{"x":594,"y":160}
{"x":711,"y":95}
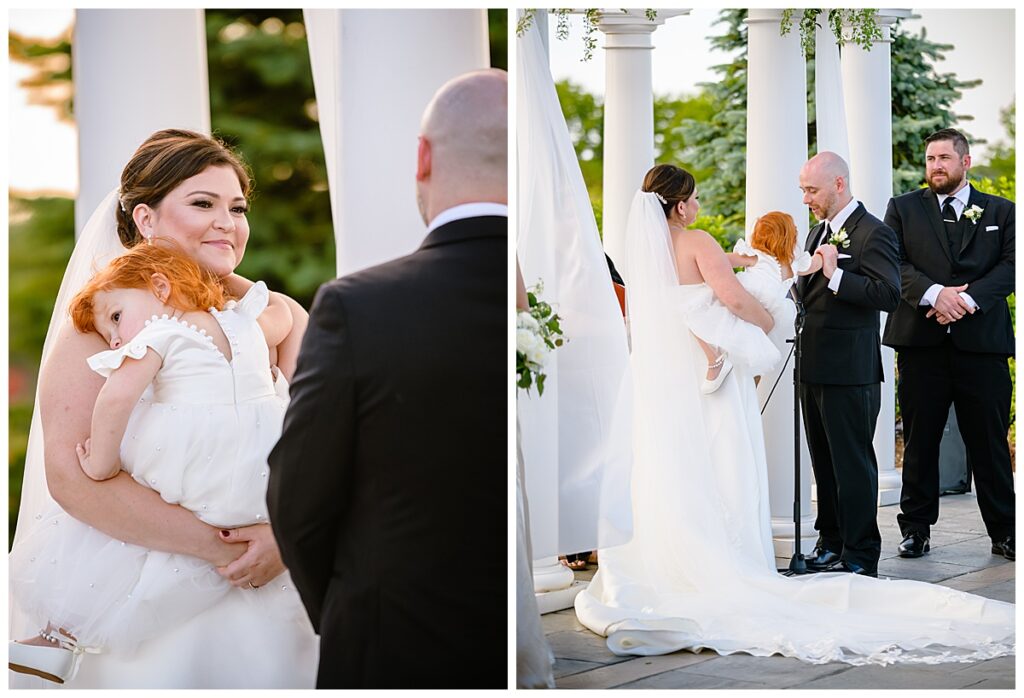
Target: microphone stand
{"x":797,"y":565}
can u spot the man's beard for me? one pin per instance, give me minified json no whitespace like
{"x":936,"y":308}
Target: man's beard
{"x":948,"y":187}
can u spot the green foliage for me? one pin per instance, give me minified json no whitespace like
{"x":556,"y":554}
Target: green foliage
{"x":721,"y":157}
{"x":259,"y":58}
{"x":1003,"y":157}
{"x":864,"y":29}
{"x":922,"y":102}
{"x":41,"y":235}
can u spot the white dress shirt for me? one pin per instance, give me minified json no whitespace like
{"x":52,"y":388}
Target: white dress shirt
{"x":473,"y":210}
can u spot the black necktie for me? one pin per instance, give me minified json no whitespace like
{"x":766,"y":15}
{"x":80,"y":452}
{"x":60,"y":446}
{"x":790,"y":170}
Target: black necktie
{"x":954,"y":231}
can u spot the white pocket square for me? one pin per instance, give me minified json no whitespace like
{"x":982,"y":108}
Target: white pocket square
{"x":991,"y":227}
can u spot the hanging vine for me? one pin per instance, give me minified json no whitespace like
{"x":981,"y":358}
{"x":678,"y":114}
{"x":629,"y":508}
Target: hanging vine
{"x":591,"y":18}
{"x":864,"y":29}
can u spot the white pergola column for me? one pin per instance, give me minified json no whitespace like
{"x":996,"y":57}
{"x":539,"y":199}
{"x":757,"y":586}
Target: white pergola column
{"x":628,"y":118}
{"x":135,"y":72}
{"x":867,"y":83}
{"x":776,"y":150}
{"x":375,"y":72}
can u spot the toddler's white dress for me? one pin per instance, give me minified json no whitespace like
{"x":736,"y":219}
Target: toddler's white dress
{"x":764,"y":282}
{"x":746,"y":344}
{"x":200,"y":437}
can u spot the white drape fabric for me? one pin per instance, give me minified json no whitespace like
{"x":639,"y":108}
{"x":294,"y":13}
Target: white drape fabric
{"x":573,"y":429}
{"x":374,"y":72}
{"x":829,"y":109}
{"x":700,"y":570}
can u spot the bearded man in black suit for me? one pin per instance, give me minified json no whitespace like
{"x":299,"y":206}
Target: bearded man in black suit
{"x":953,"y":335}
{"x":841,"y":366}
{"x":391,"y":473}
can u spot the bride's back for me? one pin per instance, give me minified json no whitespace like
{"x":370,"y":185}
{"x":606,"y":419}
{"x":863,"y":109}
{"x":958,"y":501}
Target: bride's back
{"x":687,"y":247}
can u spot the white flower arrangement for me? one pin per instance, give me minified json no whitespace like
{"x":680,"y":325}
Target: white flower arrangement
{"x":840,"y":239}
{"x":538,"y":331}
{"x":973,"y":213}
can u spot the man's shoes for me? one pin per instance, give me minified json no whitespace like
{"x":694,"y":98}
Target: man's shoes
{"x":916,"y":545}
{"x":1005,"y":548}
{"x":854,"y":568}
{"x":821,"y":558}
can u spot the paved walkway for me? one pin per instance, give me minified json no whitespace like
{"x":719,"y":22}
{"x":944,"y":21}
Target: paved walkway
{"x":959,"y":558}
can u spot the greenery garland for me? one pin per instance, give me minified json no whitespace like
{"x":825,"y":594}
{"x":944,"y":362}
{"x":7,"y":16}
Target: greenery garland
{"x":590,"y":19}
{"x":863,"y":24}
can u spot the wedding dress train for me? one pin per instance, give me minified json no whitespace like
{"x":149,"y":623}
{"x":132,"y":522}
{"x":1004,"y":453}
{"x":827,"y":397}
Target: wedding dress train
{"x":700,"y":569}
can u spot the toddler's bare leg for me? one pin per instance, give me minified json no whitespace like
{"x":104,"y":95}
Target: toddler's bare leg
{"x":711,"y":354}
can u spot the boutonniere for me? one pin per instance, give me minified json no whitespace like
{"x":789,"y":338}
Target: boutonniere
{"x":974,"y":213}
{"x":839,"y":239}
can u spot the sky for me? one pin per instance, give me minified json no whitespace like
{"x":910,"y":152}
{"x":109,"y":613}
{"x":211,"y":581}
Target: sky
{"x":42,"y":151}
{"x":983,"y":42}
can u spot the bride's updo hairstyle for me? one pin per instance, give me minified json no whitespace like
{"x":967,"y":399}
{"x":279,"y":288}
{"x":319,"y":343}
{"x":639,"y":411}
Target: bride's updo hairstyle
{"x":672,"y":184}
{"x":775,"y":233}
{"x":162,"y":162}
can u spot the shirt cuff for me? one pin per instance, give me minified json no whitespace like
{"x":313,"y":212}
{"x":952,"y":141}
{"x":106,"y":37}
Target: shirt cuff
{"x":930,"y":295}
{"x":970,"y":301}
{"x":833,"y":283}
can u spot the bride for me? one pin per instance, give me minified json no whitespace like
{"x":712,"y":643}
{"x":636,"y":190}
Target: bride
{"x":700,"y":569}
{"x":257,"y":635}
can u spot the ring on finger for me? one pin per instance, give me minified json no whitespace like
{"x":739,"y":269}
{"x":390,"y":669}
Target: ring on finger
{"x":253,"y":586}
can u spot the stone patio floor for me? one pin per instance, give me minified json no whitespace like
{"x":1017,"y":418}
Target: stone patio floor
{"x":959,"y":558}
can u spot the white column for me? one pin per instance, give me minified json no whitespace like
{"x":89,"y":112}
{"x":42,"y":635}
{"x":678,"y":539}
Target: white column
{"x":776,"y":150}
{"x":135,"y":72}
{"x":628,"y":118}
{"x":867,"y":83}
{"x":374,"y":72}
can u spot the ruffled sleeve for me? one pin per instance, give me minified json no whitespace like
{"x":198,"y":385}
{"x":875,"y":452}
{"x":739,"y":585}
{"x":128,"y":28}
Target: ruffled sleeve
{"x":743,"y":247}
{"x":801,"y":261}
{"x":155,"y":335}
{"x":254,"y":301}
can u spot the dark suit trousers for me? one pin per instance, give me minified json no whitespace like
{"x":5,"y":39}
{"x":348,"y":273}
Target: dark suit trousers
{"x":978,"y":385}
{"x":840,"y":424}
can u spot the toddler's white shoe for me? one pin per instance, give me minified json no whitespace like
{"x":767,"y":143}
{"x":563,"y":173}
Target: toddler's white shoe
{"x":51,"y":663}
{"x":710,"y":386}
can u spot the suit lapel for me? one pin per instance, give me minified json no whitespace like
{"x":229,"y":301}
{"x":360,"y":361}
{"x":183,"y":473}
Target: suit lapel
{"x":976,"y":199}
{"x":930,"y":208}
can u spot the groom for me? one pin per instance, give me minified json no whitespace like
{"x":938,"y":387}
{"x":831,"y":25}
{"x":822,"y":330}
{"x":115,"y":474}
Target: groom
{"x":841,"y":368}
{"x":388,"y":486}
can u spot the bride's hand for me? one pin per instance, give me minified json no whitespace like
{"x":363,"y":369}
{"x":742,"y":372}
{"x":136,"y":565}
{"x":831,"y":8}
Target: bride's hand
{"x":261,"y":561}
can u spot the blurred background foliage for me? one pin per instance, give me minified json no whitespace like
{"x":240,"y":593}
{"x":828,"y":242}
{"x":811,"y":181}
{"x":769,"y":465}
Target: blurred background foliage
{"x":262,"y":103}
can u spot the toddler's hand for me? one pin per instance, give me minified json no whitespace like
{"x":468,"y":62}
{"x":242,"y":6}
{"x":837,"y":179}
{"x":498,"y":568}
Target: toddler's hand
{"x":83,"y":454}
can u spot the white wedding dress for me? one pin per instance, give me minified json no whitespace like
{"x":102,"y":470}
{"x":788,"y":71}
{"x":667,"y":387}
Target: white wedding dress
{"x":700,"y":569}
{"x":164,"y":620}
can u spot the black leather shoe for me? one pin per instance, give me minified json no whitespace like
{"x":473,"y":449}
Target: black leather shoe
{"x":821,"y":559}
{"x":854,"y":568}
{"x":1005,"y":548}
{"x":916,"y":545}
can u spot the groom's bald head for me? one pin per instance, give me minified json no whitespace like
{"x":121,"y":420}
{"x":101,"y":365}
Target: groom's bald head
{"x":463,"y":155}
{"x":825,"y":182}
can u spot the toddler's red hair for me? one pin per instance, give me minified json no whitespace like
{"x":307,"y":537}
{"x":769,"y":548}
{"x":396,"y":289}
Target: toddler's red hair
{"x":192,"y":287}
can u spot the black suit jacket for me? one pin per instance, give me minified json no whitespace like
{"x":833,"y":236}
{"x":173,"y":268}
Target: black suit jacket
{"x":986,"y":264}
{"x":388,"y":486}
{"x":841,"y":343}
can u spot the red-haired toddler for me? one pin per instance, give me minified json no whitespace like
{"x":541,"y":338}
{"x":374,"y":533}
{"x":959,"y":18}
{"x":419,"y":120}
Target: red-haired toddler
{"x":772,"y":260}
{"x":189,"y":409}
